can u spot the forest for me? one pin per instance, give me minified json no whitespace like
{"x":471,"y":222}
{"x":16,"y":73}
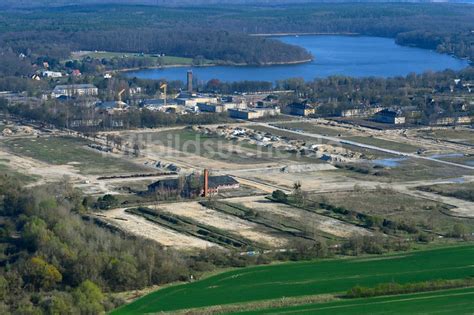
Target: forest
{"x":56,"y":261}
{"x":222,"y":33}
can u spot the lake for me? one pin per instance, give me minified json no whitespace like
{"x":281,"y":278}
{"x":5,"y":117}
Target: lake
{"x":355,"y":56}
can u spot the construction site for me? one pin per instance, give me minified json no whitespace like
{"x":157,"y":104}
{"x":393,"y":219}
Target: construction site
{"x":214,"y":186}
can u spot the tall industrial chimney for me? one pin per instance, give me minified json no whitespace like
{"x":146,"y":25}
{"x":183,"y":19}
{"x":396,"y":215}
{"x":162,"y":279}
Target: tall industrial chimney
{"x":190,"y":81}
{"x":206,"y":183}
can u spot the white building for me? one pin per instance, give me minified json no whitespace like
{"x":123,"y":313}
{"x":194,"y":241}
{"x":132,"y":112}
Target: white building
{"x":52,"y":74}
{"x":75,"y":90}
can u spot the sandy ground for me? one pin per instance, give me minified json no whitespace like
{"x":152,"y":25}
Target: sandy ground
{"x":50,"y":173}
{"x":318,"y":222}
{"x":141,"y":227}
{"x":263,"y":176}
{"x":408,"y":136}
{"x":311,"y":181}
{"x":462,"y":208}
{"x":229,"y":223}
{"x":190,"y":161}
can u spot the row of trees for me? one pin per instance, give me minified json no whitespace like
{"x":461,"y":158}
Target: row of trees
{"x":397,"y":288}
{"x":63,"y":114}
{"x":429,"y":95}
{"x":391,"y":226}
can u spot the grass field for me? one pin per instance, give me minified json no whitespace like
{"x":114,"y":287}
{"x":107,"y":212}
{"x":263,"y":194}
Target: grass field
{"x":72,"y":151}
{"x":466,"y":160}
{"x":457,"y":301}
{"x":308,"y":278}
{"x":6,"y":170}
{"x":410,"y":169}
{"x":395,"y":206}
{"x":386,"y":144}
{"x":314,"y":128}
{"x":346,"y":134}
{"x":462,"y":191}
{"x":166,"y":60}
{"x":456,"y":135}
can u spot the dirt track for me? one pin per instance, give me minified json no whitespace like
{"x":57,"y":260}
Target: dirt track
{"x":229,"y":223}
{"x":318,"y":222}
{"x":139,"y":226}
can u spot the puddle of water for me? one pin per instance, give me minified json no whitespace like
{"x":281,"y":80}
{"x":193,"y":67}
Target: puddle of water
{"x":393,"y":162}
{"x":446,"y":155}
{"x":459,"y":180}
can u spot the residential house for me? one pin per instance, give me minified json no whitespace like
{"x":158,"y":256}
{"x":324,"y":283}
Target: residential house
{"x":254,"y":113}
{"x":300,"y":109}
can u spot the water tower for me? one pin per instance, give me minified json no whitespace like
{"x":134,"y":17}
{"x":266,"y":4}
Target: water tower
{"x":190,"y":81}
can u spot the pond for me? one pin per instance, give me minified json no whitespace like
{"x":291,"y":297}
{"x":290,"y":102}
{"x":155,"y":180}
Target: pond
{"x":355,"y":56}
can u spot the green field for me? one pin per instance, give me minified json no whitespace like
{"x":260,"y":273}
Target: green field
{"x":317,"y":129}
{"x":458,"y":301}
{"x":72,"y":151}
{"x":386,"y":144}
{"x":388,"y":204}
{"x":308,"y":278}
{"x":457,"y":135}
{"x":6,"y":170}
{"x":166,"y":60}
{"x":346,"y":134}
{"x":409,"y":169}
{"x":461,"y":190}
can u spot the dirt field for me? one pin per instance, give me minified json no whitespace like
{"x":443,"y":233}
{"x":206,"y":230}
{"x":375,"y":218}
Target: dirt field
{"x":141,"y":227}
{"x":461,"y":135}
{"x":229,"y":223}
{"x":188,"y":149}
{"x":310,"y":181}
{"x":318,"y":222}
{"x":74,"y":152}
{"x":51,"y":159}
{"x":402,"y":205}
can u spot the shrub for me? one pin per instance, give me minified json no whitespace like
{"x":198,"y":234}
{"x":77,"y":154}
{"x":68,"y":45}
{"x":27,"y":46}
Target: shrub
{"x":279,"y":196}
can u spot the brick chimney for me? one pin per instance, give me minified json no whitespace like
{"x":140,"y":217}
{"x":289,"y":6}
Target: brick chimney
{"x":189,"y":81}
{"x":206,"y":183}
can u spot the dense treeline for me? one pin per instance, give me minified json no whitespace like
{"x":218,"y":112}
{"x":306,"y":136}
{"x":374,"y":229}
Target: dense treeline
{"x":63,"y":114}
{"x":220,"y":46}
{"x":52,"y":3}
{"x":54,"y":262}
{"x":219,"y":32}
{"x":216,"y":86}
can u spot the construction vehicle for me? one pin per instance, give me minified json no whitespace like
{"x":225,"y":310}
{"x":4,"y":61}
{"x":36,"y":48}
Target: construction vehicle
{"x":164,"y":86}
{"x":119,"y":102}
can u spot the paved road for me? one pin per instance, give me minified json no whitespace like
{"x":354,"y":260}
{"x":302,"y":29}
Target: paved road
{"x":366,"y":146}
